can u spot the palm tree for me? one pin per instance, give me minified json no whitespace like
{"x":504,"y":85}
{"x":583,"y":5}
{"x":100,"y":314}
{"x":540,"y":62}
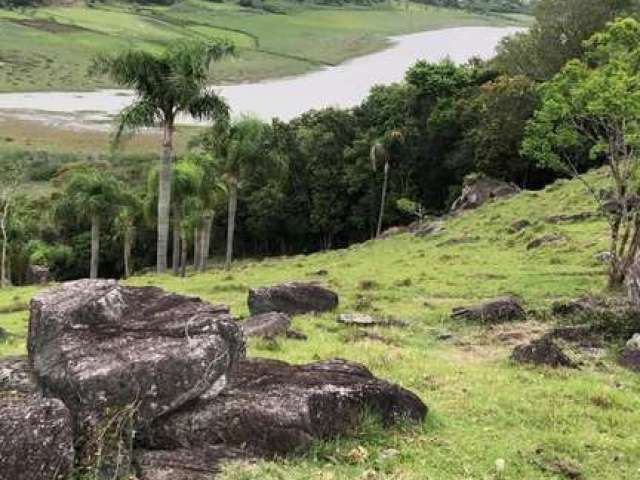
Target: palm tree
{"x":167,"y":84}
{"x":380,"y":154}
{"x":91,"y":194}
{"x":211,"y":195}
{"x":125,"y":224}
{"x":237,"y":147}
{"x":186,"y":183}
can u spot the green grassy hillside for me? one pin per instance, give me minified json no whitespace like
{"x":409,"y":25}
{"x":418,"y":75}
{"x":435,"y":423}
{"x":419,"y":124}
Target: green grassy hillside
{"x":50,"y":48}
{"x":542,"y":422}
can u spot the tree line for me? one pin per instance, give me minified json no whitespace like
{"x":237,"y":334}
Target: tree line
{"x":332,"y":177}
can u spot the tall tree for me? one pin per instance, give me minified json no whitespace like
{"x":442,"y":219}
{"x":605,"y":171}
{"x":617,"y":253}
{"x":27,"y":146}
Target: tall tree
{"x":11,"y":176}
{"x":597,"y":102}
{"x":238,"y":146}
{"x":168,"y":84}
{"x":94,"y":195}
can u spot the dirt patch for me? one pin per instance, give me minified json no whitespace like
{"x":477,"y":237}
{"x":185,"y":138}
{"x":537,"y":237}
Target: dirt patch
{"x":50,"y":26}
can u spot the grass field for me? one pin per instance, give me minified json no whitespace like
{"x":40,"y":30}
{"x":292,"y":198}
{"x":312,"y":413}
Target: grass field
{"x":51,"y":48}
{"x":542,"y":422}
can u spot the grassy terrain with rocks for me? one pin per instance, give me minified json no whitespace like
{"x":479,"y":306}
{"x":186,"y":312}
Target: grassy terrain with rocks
{"x":544,"y":423}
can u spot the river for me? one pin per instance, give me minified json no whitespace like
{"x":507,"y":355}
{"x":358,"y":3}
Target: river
{"x":345,"y":85}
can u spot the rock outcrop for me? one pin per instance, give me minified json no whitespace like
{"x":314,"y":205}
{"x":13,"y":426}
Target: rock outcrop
{"x":543,"y":351}
{"x":98,"y":345}
{"x":36,"y":439}
{"x":630,"y":357}
{"x":154,"y":385}
{"x":292,"y":298}
{"x":267,"y":325}
{"x":185,"y":464}
{"x":498,"y":310}
{"x":272,"y":407}
{"x":477,"y":190}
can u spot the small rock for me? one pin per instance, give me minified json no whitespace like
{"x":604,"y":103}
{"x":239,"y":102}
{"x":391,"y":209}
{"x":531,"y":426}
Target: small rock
{"x":603,"y":257}
{"x":359,"y":319}
{"x":292,"y":298}
{"x":393,"y":231}
{"x":519,"y":225}
{"x":266,"y":325}
{"x":38,"y":275}
{"x":570,"y":218}
{"x":295,"y":335}
{"x":545,"y":240}
{"x":389,"y":453}
{"x":501,"y":309}
{"x":543,"y":351}
{"x":630,"y":357}
{"x":430,"y":230}
{"x":363,"y":320}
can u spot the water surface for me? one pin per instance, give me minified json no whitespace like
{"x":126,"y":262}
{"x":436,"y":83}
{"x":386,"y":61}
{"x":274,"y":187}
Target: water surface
{"x":345,"y":85}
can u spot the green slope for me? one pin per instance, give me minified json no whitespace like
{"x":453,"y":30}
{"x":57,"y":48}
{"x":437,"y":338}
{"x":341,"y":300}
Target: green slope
{"x":482,"y":407}
{"x":50,"y":48}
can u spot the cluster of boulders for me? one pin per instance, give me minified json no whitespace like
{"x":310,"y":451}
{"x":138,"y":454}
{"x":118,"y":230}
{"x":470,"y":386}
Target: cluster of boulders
{"x":136,"y":382}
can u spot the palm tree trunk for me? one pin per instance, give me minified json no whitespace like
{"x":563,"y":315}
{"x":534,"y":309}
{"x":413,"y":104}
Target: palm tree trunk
{"x":3,"y":269}
{"x":383,"y":199}
{"x":164,"y":197}
{"x":231,"y":221}
{"x":175,"y":258}
{"x":127,"y":252}
{"x":95,"y":245}
{"x":197,"y":246}
{"x":184,"y":248}
{"x":206,"y":239}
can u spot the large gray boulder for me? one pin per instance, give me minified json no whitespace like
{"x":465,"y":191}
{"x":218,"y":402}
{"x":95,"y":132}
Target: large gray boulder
{"x":272,"y":408}
{"x":477,"y":190}
{"x":36,"y":439}
{"x":630,"y":357}
{"x":292,"y":298}
{"x":98,"y":345}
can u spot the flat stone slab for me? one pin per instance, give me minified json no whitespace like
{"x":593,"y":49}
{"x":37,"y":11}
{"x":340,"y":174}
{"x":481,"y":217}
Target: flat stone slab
{"x":273,"y":408}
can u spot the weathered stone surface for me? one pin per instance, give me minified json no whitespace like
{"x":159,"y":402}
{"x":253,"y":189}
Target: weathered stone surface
{"x":271,"y":407}
{"x":630,"y":357}
{"x":38,"y":275}
{"x":477,"y":190}
{"x":292,"y":298}
{"x":36,"y":439}
{"x":502,"y":309}
{"x":570,"y":218}
{"x":358,"y":319}
{"x":16,"y":375}
{"x":364,"y":320}
{"x":543,"y":351}
{"x":295,"y":335}
{"x":545,"y":240}
{"x":96,"y":344}
{"x":266,"y":325}
{"x":519,"y":225}
{"x":430,"y":230}
{"x":185,"y":464}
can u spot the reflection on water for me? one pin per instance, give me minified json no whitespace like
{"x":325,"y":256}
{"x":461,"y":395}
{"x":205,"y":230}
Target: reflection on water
{"x":345,"y":85}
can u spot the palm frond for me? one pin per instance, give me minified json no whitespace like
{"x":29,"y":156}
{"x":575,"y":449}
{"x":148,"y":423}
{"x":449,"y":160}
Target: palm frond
{"x":138,"y":115}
